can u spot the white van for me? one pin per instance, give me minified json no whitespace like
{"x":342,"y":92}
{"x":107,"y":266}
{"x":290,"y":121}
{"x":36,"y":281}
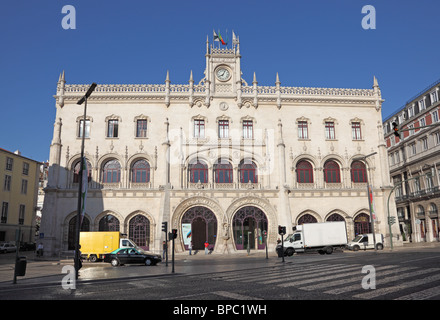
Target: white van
{"x":366,"y":241}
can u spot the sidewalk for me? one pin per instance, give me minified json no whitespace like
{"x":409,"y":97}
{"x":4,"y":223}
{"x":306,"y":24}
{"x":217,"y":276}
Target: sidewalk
{"x":50,"y":272}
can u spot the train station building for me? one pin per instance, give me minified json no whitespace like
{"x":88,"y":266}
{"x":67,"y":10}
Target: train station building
{"x":221,"y":159}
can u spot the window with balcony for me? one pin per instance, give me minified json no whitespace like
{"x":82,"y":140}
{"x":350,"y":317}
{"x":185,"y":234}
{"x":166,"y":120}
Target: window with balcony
{"x":111,"y":172}
{"x":358,"y":172}
{"x":248,"y":172}
{"x":332,"y":172}
{"x":304,"y":172}
{"x":223,"y":172}
{"x":140,"y":171}
{"x":198,"y":172}
{"x":76,"y":171}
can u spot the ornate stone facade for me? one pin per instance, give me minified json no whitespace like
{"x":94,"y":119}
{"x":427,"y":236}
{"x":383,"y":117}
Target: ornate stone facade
{"x":275,"y":155}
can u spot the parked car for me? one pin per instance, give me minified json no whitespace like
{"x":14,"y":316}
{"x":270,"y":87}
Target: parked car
{"x":366,"y":241}
{"x":7,"y":247}
{"x":123,"y":256}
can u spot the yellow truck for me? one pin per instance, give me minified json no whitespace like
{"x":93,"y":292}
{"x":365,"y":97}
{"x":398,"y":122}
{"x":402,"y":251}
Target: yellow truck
{"x":95,"y":244}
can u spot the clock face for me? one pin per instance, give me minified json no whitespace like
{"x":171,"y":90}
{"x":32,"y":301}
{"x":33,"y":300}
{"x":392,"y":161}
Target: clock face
{"x":223,"y":74}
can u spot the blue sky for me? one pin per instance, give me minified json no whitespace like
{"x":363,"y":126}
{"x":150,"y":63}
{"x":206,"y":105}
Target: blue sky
{"x":314,"y":43}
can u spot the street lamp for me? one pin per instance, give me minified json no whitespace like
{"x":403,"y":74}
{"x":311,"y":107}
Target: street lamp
{"x":368,"y":195}
{"x":78,"y":215}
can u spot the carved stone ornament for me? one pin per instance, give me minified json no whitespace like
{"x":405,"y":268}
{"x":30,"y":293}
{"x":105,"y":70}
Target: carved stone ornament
{"x":223,"y":106}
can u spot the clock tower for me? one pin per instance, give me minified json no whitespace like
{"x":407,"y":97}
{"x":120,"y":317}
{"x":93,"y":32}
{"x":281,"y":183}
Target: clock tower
{"x":223,"y":71}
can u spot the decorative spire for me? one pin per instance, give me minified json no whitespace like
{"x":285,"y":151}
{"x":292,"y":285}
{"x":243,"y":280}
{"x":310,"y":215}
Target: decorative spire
{"x":277,"y":81}
{"x":191,"y":77}
{"x":255,"y":79}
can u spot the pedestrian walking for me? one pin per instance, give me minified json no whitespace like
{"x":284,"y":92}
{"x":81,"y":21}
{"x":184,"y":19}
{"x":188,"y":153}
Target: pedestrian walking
{"x":190,"y":247}
{"x":40,"y":250}
{"x":206,"y":247}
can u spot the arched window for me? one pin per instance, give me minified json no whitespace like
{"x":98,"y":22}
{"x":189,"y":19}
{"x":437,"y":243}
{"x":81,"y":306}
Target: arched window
{"x":331,"y":172}
{"x":198,"y":171}
{"x":140,"y":171}
{"x":85,"y":226}
{"x":335,"y":217}
{"x":223,"y":172}
{"x":420,"y":211}
{"x":304,"y":172}
{"x":109,"y":223}
{"x":362,"y":224}
{"x":76,"y":170}
{"x":111,"y":172}
{"x":358,"y":172}
{"x":433,"y":211}
{"x":248,"y":172}
{"x":307,"y":218}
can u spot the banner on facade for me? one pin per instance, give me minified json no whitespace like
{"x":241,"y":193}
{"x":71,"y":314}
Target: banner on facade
{"x":371,"y":200}
{"x":85,"y":182}
{"x":186,"y":233}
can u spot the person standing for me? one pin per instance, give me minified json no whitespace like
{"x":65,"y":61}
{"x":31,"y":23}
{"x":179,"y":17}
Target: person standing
{"x":164,"y":245}
{"x":206,"y":247}
{"x":190,"y":247}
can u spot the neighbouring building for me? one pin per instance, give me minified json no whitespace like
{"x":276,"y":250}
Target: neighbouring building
{"x":18,"y":196}
{"x":222,"y":159}
{"x":414,"y":160}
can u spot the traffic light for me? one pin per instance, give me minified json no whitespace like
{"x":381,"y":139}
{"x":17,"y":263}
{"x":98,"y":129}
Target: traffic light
{"x":173,"y":234}
{"x":281,"y":230}
{"x":165,"y":227}
{"x":391,"y":220}
{"x":396,"y":129}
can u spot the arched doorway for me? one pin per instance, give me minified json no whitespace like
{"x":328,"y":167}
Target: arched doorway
{"x":199,"y":225}
{"x":362,"y":224}
{"x":249,"y":225}
{"x":71,"y":239}
{"x":139,"y":231}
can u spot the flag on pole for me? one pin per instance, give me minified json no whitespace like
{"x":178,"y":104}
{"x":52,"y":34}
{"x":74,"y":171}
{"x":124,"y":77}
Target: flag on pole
{"x":85,"y":182}
{"x":221,"y":39}
{"x":234,"y":38}
{"x":215,"y":36}
{"x":370,"y":198}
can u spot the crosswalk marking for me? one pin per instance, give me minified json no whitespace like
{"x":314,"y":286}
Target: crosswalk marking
{"x":382,"y":281}
{"x":291,"y":272}
{"x":422,"y":295}
{"x":383,"y":291}
{"x":296,"y":280}
{"x":344,"y":282}
{"x":337,"y":279}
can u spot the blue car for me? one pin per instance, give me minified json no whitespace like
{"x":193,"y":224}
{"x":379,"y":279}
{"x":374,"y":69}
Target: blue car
{"x":123,"y":256}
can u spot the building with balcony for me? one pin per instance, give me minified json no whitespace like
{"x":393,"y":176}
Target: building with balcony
{"x":414,"y":160}
{"x":18,"y":196}
{"x":222,"y":159}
